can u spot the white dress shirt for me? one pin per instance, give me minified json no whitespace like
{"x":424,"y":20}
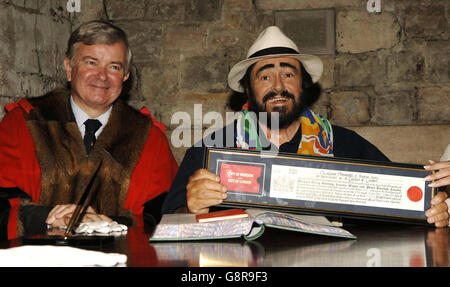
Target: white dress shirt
{"x":81,"y":117}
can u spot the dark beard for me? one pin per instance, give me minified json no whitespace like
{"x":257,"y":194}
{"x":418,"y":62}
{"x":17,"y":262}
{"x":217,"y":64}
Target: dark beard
{"x":285,"y":117}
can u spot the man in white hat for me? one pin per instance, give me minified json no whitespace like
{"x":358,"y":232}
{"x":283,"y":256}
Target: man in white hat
{"x":276,"y":77}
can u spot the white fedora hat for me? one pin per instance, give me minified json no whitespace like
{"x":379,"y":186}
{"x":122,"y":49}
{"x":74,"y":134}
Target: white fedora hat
{"x":272,"y":42}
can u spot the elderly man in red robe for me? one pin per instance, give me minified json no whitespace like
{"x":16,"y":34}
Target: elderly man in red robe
{"x":50,"y":146}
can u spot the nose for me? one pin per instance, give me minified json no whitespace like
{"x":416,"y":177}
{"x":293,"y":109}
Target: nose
{"x":101,"y":73}
{"x":278,"y":84}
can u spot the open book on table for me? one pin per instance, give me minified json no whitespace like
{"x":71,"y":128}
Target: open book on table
{"x":177,"y":227}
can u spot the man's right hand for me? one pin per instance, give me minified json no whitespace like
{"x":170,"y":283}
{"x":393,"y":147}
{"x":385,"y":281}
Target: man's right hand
{"x":203,"y":191}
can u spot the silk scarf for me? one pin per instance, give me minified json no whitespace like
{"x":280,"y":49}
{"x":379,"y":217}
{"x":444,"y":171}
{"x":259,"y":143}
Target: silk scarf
{"x":317,"y":134}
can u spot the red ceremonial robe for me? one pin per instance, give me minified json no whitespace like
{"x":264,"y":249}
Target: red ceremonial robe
{"x":19,"y":165}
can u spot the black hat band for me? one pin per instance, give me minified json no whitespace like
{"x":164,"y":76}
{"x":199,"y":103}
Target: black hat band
{"x":273,"y":51}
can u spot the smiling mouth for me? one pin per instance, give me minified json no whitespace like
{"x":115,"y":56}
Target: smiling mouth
{"x":277,"y":100}
{"x":100,"y":87}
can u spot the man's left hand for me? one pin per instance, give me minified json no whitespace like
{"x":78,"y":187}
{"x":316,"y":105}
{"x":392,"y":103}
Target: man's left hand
{"x":60,"y":215}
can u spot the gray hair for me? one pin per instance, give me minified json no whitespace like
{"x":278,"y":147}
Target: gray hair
{"x":98,"y":32}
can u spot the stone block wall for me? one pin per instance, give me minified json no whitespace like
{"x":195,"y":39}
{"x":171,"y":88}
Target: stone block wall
{"x":388,"y":78}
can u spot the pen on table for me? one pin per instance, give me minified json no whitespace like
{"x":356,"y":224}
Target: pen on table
{"x":82,"y":204}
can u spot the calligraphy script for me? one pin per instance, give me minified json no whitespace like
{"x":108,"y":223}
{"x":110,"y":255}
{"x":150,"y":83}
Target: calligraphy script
{"x":344,"y":187}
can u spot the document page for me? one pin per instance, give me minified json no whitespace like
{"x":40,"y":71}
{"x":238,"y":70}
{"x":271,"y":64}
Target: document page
{"x":345,"y":187}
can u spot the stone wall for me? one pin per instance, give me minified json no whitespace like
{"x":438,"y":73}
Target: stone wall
{"x":388,"y":79}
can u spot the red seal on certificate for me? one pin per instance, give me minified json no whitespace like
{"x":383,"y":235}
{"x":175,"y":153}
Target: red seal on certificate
{"x":415,"y":193}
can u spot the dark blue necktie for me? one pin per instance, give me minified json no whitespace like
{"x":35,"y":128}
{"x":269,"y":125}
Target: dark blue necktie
{"x":89,"y":136}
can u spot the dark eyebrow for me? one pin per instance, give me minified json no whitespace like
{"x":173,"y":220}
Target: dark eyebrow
{"x":268,"y":66}
{"x":282,"y":64}
{"x":288,"y":65}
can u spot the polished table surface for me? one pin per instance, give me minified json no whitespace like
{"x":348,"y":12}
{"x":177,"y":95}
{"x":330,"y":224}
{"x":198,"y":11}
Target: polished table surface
{"x":377,"y":244}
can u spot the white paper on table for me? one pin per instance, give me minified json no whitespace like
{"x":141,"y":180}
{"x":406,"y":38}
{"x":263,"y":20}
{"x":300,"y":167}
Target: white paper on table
{"x":58,"y":256}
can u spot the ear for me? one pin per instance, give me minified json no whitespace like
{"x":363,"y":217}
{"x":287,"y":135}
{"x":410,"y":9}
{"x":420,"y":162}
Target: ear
{"x":68,"y":68}
{"x":126,"y":76}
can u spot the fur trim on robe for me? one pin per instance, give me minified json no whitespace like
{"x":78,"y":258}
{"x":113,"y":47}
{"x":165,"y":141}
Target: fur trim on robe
{"x":65,"y":166}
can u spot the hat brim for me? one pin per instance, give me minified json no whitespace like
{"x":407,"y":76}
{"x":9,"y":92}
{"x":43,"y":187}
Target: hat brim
{"x":312,"y":64}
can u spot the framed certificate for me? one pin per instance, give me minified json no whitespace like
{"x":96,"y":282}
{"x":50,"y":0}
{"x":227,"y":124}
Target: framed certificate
{"x":325,"y":185}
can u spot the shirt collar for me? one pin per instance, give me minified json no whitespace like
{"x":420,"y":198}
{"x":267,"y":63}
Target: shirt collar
{"x":81,"y":117}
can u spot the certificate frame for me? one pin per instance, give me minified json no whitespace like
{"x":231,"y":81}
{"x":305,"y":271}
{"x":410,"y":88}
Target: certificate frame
{"x":268,"y":179}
